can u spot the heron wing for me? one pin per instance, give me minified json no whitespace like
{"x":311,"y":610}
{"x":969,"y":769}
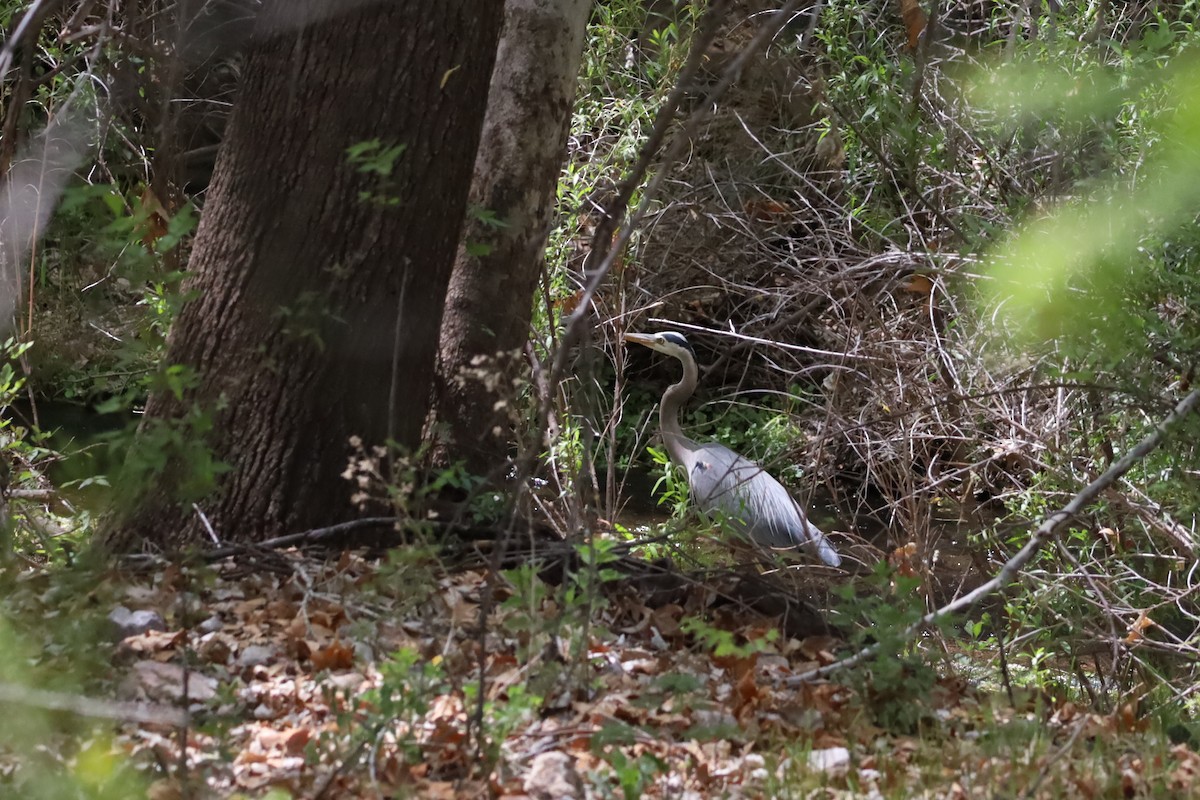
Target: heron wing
{"x":751,"y":500}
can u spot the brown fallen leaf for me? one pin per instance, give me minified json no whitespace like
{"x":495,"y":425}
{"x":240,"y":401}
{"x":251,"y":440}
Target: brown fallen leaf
{"x":1138,"y":628}
{"x":335,"y":655}
{"x":819,"y":649}
{"x":248,"y":607}
{"x":568,"y":304}
{"x":159,"y":645}
{"x":917,"y":284}
{"x":763,"y":210}
{"x":216,"y":649}
{"x":666,"y":620}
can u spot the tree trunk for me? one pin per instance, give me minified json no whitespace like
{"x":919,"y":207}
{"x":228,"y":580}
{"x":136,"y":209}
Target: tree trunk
{"x":321,"y":262}
{"x":490,"y":299}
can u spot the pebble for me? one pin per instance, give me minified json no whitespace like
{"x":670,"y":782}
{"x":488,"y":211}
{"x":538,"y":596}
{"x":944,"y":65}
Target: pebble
{"x":128,"y":623}
{"x":255,"y":655}
{"x":832,"y":759}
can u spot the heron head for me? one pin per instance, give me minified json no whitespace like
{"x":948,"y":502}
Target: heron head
{"x":669,"y":343}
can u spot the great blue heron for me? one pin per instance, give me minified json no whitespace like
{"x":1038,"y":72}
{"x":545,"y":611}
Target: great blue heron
{"x":720,"y":480}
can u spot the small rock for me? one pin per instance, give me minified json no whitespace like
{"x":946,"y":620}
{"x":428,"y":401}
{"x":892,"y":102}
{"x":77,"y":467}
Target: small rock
{"x":755,"y":766}
{"x":832,"y":759}
{"x":363,"y":652}
{"x":552,"y":776}
{"x":263,"y":712}
{"x":255,"y":655}
{"x":128,"y":623}
{"x":210,"y":625}
{"x":163,"y":683}
{"x":715,"y":719}
{"x":347,"y":681}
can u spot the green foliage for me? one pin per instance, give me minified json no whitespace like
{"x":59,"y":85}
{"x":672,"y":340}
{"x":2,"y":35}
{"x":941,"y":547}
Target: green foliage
{"x":372,"y":157}
{"x":306,"y":318}
{"x":52,"y":634}
{"x":24,"y":460}
{"x":1105,"y":274}
{"x":164,"y":454}
{"x":896,"y":684}
{"x":10,"y":383}
{"x":410,"y":682}
{"x":109,"y":259}
{"x":106,"y":290}
{"x":633,"y":773}
{"x":724,"y":644}
{"x":595,"y":556}
{"x":671,"y":486}
{"x":631,"y":58}
{"x":623,"y":81}
{"x":486,"y":217}
{"x":503,"y":715}
{"x":377,"y":162}
{"x":523,"y":606}
{"x":1098,"y":283}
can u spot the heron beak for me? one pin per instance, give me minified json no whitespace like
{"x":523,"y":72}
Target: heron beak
{"x":642,"y":338}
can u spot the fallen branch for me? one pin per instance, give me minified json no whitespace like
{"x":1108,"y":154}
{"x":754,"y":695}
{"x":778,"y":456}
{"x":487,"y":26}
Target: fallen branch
{"x":304,"y":537}
{"x":1044,"y":533}
{"x":31,"y":494}
{"x":142,"y":560}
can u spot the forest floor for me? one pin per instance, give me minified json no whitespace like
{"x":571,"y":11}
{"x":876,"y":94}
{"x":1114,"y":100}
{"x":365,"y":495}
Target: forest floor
{"x":351,"y":677}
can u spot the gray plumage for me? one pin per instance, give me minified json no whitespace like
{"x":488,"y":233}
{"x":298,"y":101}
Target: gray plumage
{"x":723,"y":483}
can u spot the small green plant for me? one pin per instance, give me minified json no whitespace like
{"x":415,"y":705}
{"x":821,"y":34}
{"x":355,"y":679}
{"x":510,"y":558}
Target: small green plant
{"x":634,"y":773}
{"x":174,"y":454}
{"x":896,"y":684}
{"x":24,"y":458}
{"x":409,"y":685}
{"x":377,"y":161}
{"x":11,"y":349}
{"x":52,"y":637}
{"x":502,"y":716}
{"x":523,"y":610}
{"x":671,"y":486}
{"x":487,"y":217}
{"x":724,"y":644}
{"x":306,"y":318}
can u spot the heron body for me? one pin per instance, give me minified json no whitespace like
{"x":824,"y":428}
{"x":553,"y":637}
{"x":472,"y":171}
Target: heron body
{"x":724,"y":484}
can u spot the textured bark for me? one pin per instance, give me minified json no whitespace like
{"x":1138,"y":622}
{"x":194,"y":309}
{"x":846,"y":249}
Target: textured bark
{"x":490,"y":298}
{"x":302,"y":283}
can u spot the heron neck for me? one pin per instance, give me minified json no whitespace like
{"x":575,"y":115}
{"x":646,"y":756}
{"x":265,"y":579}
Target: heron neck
{"x":668,"y":411}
